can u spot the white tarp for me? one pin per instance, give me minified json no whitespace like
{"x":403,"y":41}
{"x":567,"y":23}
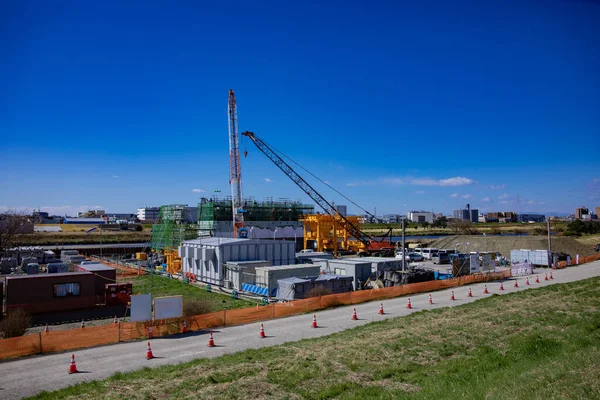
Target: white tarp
{"x":168,"y":307}
{"x":141,"y":308}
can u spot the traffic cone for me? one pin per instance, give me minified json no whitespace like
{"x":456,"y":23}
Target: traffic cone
{"x":354,"y":316}
{"x":262,"y":331}
{"x":150,"y":332}
{"x":551,"y":277}
{"x":184,"y":326}
{"x":516,"y":284}
{"x":546,"y":277}
{"x":314,"y":323}
{"x":82,"y":324}
{"x":149,"y":354}
{"x":430,"y":299}
{"x":73,"y":367}
{"x":452,"y":297}
{"x":537,"y":279}
{"x":115,"y":320}
{"x":46,"y":330}
{"x":381,"y":309}
{"x":470,"y":293}
{"x":408,"y":305}
{"x":211,"y":340}
{"x":485,"y":291}
{"x":501,"y":286}
{"x":527,"y":280}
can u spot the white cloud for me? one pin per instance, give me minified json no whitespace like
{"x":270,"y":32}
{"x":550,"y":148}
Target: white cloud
{"x":454,"y":195}
{"x":198,"y":190}
{"x":485,"y":199}
{"x":455,"y":181}
{"x":497,"y":187}
{"x":531,"y":202}
{"x":420,"y":192}
{"x":393,"y":181}
{"x":541,"y":203}
{"x":116,"y":176}
{"x":466,"y":196}
{"x":425,"y":182}
{"x":504,"y":196}
{"x":268,"y":180}
{"x":352,"y":184}
{"x":505,"y":202}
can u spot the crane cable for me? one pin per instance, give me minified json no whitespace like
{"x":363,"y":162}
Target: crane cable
{"x":322,"y":181}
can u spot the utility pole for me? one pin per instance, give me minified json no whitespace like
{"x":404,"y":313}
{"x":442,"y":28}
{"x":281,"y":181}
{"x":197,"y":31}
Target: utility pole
{"x":549,"y":244}
{"x":404,"y":252}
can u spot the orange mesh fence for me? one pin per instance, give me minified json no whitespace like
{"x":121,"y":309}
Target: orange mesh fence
{"x":100,"y":335}
{"x":20,"y":346}
{"x":246,"y":315}
{"x":78,"y":338}
{"x":206,"y":321}
{"x":593,"y":258}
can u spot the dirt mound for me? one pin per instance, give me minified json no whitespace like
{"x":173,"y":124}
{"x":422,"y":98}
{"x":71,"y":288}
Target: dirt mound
{"x":504,"y":244}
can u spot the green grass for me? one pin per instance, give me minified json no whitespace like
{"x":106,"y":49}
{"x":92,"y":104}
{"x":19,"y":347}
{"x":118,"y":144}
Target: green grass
{"x":162,"y":286}
{"x":536,"y":344}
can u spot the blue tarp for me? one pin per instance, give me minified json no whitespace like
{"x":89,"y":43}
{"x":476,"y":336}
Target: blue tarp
{"x":257,"y":289}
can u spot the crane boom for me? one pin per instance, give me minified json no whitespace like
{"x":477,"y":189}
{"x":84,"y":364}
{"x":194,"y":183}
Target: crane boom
{"x":308,"y":189}
{"x":235,"y":169}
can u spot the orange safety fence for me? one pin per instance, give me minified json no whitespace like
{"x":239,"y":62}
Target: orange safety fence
{"x":125,"y":331}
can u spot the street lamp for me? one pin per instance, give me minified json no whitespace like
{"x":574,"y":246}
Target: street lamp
{"x":456,"y":247}
{"x":251,"y":235}
{"x":274,"y":234}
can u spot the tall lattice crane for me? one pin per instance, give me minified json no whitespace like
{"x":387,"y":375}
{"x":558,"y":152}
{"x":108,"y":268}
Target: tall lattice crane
{"x":370,"y":245}
{"x":235,"y":171}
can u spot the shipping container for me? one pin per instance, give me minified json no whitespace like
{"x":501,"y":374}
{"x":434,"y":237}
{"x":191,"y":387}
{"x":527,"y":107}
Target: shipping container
{"x":104,"y":275}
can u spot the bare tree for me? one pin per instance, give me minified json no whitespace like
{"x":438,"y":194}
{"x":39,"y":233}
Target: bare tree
{"x":12,"y":224}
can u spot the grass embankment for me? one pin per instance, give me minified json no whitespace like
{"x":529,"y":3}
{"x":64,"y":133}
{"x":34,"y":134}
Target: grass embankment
{"x":539,"y":343}
{"x":162,"y":286}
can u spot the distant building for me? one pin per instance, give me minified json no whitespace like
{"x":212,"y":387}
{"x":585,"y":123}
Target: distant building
{"x":580,"y":212}
{"x":148,"y":213}
{"x":342,"y":209}
{"x":504,"y":217}
{"x":466,"y":214}
{"x":420,"y":216}
{"x":85,"y":221}
{"x":531,"y":218}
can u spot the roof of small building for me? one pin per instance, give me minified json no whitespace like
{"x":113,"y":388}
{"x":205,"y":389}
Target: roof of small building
{"x":39,"y":276}
{"x":85,"y":220}
{"x":95,"y":267}
{"x":222,"y":241}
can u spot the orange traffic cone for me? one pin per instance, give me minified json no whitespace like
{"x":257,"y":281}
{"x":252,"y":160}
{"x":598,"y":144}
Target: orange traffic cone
{"x":537,"y":279}
{"x":184,"y":326}
{"x":149,"y":354}
{"x":430,"y":299}
{"x":485,"y":291}
{"x":546,"y":277}
{"x":314,"y":323}
{"x":408,"y":305}
{"x":470,"y":293}
{"x":211,"y":340}
{"x":115,"y":320}
{"x":73,"y":367}
{"x":501,"y":286}
{"x":354,"y":316}
{"x":551,"y":277}
{"x":527,"y":281}
{"x":46,"y":330}
{"x":381,"y":308}
{"x":262,"y":331}
{"x":516,"y":284}
{"x":82,"y":324}
{"x":452,"y":297}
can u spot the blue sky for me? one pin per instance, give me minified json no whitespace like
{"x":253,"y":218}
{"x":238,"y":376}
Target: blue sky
{"x":399,"y":105}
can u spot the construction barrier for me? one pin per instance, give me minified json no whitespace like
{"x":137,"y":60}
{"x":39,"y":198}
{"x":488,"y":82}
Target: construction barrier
{"x":54,"y":341}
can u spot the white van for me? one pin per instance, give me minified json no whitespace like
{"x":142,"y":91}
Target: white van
{"x":429,"y":252}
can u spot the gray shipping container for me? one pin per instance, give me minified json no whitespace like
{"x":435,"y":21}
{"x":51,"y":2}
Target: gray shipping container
{"x":267,"y":277}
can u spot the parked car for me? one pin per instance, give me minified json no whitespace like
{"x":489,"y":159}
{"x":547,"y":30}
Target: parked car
{"x":441,"y":258}
{"x":415,"y":257}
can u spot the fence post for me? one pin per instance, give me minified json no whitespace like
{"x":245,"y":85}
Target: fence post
{"x":119,"y":330}
{"x":41,"y":351}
